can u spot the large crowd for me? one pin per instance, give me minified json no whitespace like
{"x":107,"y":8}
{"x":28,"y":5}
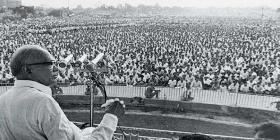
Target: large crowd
{"x":227,"y":54}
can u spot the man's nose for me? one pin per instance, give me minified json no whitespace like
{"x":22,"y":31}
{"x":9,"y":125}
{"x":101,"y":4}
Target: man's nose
{"x":55,"y":68}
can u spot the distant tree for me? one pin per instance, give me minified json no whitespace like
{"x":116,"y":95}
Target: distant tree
{"x":79,"y":7}
{"x":23,"y":11}
{"x":29,"y":9}
{"x":128,"y":6}
{"x":2,"y":9}
{"x":102,"y":7}
{"x":119,"y":6}
{"x":55,"y":13}
{"x":8,"y":18}
{"x":40,"y":14}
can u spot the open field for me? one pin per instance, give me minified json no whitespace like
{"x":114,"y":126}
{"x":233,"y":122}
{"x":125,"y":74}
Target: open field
{"x":175,"y":123}
{"x":153,"y":116}
{"x":175,"y":94}
{"x":165,"y":122}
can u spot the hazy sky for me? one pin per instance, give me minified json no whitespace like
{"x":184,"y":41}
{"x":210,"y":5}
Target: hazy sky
{"x":170,"y":3}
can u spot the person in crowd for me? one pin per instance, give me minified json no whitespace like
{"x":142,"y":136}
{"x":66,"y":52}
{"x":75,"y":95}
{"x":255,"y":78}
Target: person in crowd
{"x":172,"y":82}
{"x":151,"y":92}
{"x":277,"y":104}
{"x":277,"y":89}
{"x":164,"y":79}
{"x":56,"y":90}
{"x":130,"y":81}
{"x":181,"y":83}
{"x":207,"y":83}
{"x":251,"y":83}
{"x":121,"y":79}
{"x":234,"y":87}
{"x":141,"y":81}
{"x":196,"y":84}
{"x":61,"y":78}
{"x":215,"y":83}
{"x":244,"y":88}
{"x":244,"y":75}
{"x":258,"y":88}
{"x":108,"y":80}
{"x":113,"y":78}
{"x":81,"y":78}
{"x":187,"y":94}
{"x":28,"y":111}
{"x":146,"y":77}
{"x":4,"y":78}
{"x":223,"y":85}
{"x":268,"y":88}
{"x":154,"y":79}
{"x":246,"y":55}
{"x":72,"y":80}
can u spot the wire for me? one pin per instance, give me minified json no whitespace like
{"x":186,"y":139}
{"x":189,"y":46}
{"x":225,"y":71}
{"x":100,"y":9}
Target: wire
{"x":103,"y":90}
{"x":99,"y":85}
{"x":125,"y":138}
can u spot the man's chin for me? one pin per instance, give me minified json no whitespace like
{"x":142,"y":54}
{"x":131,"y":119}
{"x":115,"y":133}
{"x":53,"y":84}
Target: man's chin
{"x":52,"y":82}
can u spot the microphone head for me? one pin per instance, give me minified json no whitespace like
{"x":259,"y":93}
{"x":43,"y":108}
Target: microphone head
{"x":78,"y":64}
{"x":62,"y":65}
{"x":97,"y":59}
{"x":83,"y":58}
{"x":90,"y":67}
{"x":68,"y":58}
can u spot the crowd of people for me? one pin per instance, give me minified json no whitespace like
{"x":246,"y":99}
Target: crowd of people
{"x":226,"y":54}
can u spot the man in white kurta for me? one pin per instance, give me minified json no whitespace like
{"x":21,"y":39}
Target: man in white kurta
{"x":28,"y":110}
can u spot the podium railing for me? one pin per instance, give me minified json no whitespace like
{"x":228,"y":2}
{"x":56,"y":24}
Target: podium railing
{"x":136,"y":133}
{"x":133,"y":133}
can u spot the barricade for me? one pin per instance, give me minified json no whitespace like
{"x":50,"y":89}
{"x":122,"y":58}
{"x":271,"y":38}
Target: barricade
{"x":136,"y":133}
{"x":176,"y":94}
{"x":4,"y":87}
{"x":200,"y":96}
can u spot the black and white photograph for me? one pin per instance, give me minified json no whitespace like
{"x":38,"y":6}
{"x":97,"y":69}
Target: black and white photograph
{"x":139,"y":69}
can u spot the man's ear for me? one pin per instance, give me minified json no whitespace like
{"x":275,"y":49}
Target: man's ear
{"x":27,"y":70}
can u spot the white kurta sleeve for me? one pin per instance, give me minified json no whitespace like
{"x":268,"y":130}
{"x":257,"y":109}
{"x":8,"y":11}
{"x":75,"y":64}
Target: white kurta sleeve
{"x":55,"y":126}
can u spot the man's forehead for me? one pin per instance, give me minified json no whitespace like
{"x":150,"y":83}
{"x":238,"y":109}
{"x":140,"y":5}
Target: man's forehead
{"x":46,"y":57}
{"x":34,"y":54}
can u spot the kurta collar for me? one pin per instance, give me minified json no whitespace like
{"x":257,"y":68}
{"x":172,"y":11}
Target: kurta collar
{"x":33,"y":84}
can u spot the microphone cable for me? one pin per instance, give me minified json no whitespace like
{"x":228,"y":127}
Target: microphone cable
{"x":103,"y":90}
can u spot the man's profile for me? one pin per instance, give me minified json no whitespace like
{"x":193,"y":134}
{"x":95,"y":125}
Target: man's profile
{"x":28,"y":110}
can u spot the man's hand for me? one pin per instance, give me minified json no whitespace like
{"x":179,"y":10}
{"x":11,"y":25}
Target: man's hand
{"x":115,"y":107}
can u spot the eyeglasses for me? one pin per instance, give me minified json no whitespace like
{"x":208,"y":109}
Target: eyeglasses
{"x":43,"y":63}
{"x":51,"y":63}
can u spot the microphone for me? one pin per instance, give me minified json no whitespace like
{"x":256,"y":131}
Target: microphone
{"x":80,"y":61}
{"x":63,"y":63}
{"x":92,"y":67}
{"x":93,"y":64}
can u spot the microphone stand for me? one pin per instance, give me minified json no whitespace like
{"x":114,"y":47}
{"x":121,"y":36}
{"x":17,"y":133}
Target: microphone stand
{"x":93,"y":87}
{"x":92,"y":97}
{"x":94,"y":83}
